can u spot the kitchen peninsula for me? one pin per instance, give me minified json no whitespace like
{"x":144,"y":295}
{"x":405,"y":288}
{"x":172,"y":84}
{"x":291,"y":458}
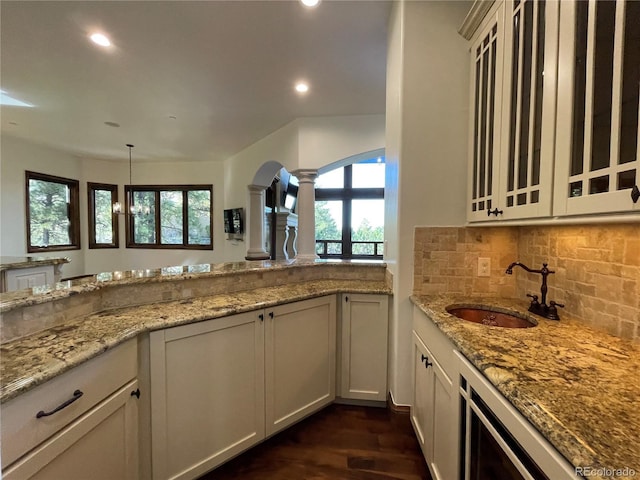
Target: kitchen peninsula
{"x":133,"y":325}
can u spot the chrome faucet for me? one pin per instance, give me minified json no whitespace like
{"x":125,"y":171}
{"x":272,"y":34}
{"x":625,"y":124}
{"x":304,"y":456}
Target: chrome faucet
{"x":539,"y":307}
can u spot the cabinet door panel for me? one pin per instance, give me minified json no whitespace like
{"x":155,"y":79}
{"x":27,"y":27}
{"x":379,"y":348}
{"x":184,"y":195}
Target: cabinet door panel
{"x":485,"y":128}
{"x":364,"y":347}
{"x":102,"y":444}
{"x":207,"y":388}
{"x":598,"y":107}
{"x":529,"y":108}
{"x":423,"y":401}
{"x":300,"y":342}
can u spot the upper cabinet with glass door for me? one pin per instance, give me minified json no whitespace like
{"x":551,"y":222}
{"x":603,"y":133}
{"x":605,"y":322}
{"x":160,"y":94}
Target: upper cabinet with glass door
{"x":514,"y":60}
{"x":597,"y":146}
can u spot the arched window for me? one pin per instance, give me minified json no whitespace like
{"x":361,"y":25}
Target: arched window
{"x":350,"y":211}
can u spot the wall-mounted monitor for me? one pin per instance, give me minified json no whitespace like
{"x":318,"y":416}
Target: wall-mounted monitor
{"x":233,"y":221}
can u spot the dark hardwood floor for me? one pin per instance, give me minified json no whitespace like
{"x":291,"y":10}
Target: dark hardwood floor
{"x":339,"y":443}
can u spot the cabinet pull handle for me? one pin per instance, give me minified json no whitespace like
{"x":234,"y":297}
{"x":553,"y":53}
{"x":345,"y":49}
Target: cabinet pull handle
{"x":426,"y":361}
{"x":261,"y":317}
{"x":635,"y":194}
{"x":270,"y":314}
{"x":76,"y":395}
{"x":136,"y":393}
{"x":346,"y":299}
{"x":495,"y":212}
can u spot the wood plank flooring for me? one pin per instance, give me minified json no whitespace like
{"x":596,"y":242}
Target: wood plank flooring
{"x":339,"y":443}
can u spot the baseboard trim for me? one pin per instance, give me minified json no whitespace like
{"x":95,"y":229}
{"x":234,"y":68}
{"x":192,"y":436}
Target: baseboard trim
{"x":402,"y":409}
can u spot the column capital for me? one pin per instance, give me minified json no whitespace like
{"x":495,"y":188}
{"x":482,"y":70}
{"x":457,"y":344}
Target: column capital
{"x":305,"y":175}
{"x":256,"y":188}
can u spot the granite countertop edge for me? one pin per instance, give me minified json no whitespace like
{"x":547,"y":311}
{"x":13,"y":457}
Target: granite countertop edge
{"x":522,"y":364}
{"x":31,"y":361}
{"x":44,"y":294}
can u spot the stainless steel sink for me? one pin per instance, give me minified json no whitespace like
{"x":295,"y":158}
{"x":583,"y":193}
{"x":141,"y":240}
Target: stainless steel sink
{"x":491,"y":318}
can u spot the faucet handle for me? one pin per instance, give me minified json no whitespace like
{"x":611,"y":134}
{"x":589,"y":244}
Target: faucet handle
{"x":534,"y":299}
{"x":555,"y":304}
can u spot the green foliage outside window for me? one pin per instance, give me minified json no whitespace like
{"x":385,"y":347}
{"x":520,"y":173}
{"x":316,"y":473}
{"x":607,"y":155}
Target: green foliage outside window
{"x":179,"y":226}
{"x":49,"y":213}
{"x":52,"y":220}
{"x":103,"y":217}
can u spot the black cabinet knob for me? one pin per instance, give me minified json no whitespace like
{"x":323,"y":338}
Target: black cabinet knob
{"x":635,"y":194}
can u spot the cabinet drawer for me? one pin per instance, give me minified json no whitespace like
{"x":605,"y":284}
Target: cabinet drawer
{"x":96,"y":379}
{"x":435,"y":340}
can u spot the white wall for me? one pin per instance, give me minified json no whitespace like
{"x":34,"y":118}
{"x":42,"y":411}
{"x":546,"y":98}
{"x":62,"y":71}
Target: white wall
{"x":326,"y":140}
{"x":18,"y":156}
{"x":427,"y":118}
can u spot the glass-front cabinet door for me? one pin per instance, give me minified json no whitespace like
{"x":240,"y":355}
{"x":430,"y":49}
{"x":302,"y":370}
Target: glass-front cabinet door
{"x":486,"y":85}
{"x":514,"y":66}
{"x":597,"y":143}
{"x":529,"y":92}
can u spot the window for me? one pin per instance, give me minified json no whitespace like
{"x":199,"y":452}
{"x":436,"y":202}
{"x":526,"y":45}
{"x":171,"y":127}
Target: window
{"x":103,"y":223}
{"x":170,"y":216}
{"x":350,"y":211}
{"x":53,"y":214}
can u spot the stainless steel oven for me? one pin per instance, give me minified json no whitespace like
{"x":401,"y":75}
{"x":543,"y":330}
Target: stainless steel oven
{"x":496,"y":442}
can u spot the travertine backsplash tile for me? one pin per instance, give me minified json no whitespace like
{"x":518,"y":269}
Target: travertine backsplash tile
{"x":597,"y":267}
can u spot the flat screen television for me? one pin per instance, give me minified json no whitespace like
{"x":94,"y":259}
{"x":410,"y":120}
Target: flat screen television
{"x":233,"y":222}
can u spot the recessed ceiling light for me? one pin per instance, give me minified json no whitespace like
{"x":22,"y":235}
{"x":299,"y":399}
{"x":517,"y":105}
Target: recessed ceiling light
{"x":100,"y":39}
{"x":310,"y":3}
{"x":302,"y":87}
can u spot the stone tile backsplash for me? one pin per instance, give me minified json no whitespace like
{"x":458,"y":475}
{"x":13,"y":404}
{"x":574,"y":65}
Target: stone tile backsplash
{"x":597,"y":267}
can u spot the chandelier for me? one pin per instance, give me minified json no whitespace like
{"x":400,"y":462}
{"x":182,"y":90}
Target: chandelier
{"x":133,"y":209}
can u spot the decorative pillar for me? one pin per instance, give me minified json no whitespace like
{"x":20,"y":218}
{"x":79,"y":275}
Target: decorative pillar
{"x":285,"y":235}
{"x":256,"y":249}
{"x":306,"y":210}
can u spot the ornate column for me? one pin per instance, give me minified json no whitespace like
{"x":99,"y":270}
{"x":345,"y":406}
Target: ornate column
{"x":256,"y":249}
{"x":306,"y":210}
{"x":286,"y":223}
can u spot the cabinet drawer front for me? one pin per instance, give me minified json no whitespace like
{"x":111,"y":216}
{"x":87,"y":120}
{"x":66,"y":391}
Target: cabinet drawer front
{"x":96,"y":379}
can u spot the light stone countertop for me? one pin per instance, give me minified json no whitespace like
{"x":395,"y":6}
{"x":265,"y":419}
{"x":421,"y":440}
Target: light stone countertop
{"x":578,"y":386}
{"x":32,"y":360}
{"x":49,"y":293}
{"x":13,"y":263}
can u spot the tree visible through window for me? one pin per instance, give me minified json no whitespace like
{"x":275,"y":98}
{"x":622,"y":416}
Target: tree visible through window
{"x":350,"y":211}
{"x":103,"y":223}
{"x":172,"y":216}
{"x":52,"y":213}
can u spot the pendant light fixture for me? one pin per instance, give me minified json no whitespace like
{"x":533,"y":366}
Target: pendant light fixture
{"x":139,"y":210}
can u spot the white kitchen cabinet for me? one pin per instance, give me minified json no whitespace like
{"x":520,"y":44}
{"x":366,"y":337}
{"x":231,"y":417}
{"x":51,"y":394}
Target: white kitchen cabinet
{"x":82,"y":424}
{"x":513,"y":68}
{"x":300,"y":356}
{"x":598,"y":147}
{"x":207,"y":393}
{"x":102,"y":444}
{"x":220,"y":386}
{"x":364,"y":339}
{"x":434,"y":407}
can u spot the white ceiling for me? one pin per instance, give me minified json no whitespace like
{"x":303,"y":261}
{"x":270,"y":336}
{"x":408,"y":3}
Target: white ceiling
{"x":224,"y":69}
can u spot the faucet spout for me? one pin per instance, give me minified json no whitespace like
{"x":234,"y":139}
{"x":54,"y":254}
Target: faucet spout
{"x":541,"y":307}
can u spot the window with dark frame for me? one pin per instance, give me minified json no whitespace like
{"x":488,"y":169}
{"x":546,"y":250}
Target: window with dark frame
{"x":52,"y":213}
{"x":349,"y":211}
{"x":172,"y":216}
{"x":103,"y":223}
